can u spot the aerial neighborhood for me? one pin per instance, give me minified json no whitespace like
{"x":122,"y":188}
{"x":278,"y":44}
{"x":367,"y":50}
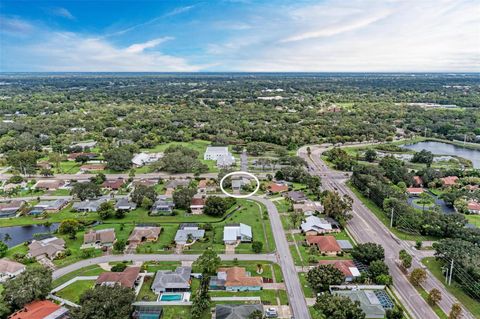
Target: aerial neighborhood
{"x":153,"y":213}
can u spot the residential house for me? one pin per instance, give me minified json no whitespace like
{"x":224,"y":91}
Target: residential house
{"x":50,"y":248}
{"x":10,"y":269}
{"x":206,"y":185}
{"x":347,"y":267}
{"x":142,"y":234}
{"x":11,"y":208}
{"x":92,"y":167}
{"x":314,"y":225}
{"x":197,"y":204}
{"x":11,"y":186}
{"x":414,"y":191}
{"x":308,"y":207}
{"x":238,"y":183}
{"x":473,"y":207}
{"x":188,"y":232}
{"x":142,"y":159}
{"x":41,"y":309}
{"x":235,"y":279}
{"x":230,"y":311}
{"x":146,"y":182}
{"x":52,"y":206}
{"x":173,"y":184}
{"x":113,"y":184}
{"x":99,"y":238}
{"x":369,"y":302}
{"x":235,"y":233}
{"x":472,"y":188}
{"x":125,"y":205}
{"x":449,"y":181}
{"x":172,"y":281}
{"x":74,"y":156}
{"x":276,"y":187}
{"x":49,"y":185}
{"x":126,"y":278}
{"x":225,"y":161}
{"x":295,"y":196}
{"x":417,"y":181}
{"x":89,"y":205}
{"x":220,"y":154}
{"x":84,"y":145}
{"x":162,"y":206}
{"x":326,"y":244}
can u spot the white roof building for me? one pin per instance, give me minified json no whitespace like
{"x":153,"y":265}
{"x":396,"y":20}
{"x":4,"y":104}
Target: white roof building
{"x":237,"y":232}
{"x":220,"y":154}
{"x":313,"y":223}
{"x":141,"y":159}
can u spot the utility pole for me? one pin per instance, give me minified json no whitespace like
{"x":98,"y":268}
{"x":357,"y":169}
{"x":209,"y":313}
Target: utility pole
{"x":425,"y":132}
{"x":450,"y":275}
{"x":391,"y":219}
{"x":446,"y":275}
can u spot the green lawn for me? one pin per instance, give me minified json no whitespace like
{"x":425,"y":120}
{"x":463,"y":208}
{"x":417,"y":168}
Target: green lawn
{"x":455,"y":289}
{"x":305,"y":286}
{"x":473,"y":219}
{"x":153,"y":266}
{"x":73,"y":291}
{"x":146,"y":293}
{"x":93,"y":270}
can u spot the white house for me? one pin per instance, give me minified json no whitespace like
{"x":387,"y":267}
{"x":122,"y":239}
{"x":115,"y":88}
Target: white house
{"x":141,"y":159}
{"x":10,"y":269}
{"x":220,"y":154}
{"x":314,"y":226}
{"x":237,"y":232}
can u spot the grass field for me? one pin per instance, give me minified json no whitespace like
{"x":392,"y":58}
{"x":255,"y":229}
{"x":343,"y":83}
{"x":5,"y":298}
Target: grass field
{"x":455,"y":289}
{"x":93,"y":270}
{"x":73,"y":291}
{"x":473,"y":219}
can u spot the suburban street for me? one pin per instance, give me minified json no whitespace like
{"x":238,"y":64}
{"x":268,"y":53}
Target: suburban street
{"x":365,"y":227}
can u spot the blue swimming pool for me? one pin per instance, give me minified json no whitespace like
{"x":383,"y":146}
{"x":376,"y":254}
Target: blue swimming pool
{"x":171,"y":297}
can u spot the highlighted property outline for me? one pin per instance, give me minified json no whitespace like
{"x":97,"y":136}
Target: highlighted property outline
{"x":240,"y":173}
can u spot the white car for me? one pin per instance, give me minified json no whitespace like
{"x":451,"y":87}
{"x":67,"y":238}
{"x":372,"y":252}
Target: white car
{"x":271,"y":313}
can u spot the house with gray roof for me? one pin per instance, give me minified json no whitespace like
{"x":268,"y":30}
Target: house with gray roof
{"x":51,"y":206}
{"x":125,"y":205}
{"x":369,"y":302}
{"x":172,"y":281}
{"x":236,"y":311}
{"x":188,"y":232}
{"x":234,"y":233}
{"x":89,"y":205}
{"x":162,"y":206}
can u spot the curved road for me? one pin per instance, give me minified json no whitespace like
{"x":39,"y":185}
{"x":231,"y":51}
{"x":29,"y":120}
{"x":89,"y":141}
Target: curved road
{"x":365,"y":227}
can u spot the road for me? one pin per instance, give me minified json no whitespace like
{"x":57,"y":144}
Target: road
{"x":365,"y":227}
{"x":285,"y":260}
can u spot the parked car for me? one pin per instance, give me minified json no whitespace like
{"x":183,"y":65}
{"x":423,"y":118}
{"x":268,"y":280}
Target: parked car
{"x":271,"y":313}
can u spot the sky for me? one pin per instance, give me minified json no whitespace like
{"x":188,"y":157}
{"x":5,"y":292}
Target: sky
{"x":240,"y":35}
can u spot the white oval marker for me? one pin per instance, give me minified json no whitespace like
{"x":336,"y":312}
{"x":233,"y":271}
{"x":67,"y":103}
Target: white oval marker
{"x":240,"y":173}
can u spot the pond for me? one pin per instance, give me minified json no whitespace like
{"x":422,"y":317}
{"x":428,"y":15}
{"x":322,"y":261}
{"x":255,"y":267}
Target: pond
{"x":20,"y":234}
{"x":440,"y":148}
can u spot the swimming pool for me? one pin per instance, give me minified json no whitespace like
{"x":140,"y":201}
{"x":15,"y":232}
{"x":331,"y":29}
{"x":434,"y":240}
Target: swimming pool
{"x":171,"y":297}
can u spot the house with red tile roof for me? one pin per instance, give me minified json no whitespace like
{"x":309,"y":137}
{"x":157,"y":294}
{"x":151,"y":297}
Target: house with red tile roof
{"x":49,"y":185}
{"x":473,"y":207}
{"x":449,"y":180}
{"x":126,"y":278}
{"x":347,"y":267}
{"x":197,"y":204}
{"x":277,"y":187}
{"x":417,"y":181}
{"x":326,"y":244}
{"x":41,"y":309}
{"x":414,"y":191}
{"x":113,"y":184}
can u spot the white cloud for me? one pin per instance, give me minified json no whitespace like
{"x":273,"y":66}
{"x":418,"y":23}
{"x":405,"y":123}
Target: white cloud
{"x":62,"y":12}
{"x":140,"y":47}
{"x":179,"y":10}
{"x":14,"y":25}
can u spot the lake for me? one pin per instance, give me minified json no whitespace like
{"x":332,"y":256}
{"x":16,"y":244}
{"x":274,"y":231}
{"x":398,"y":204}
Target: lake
{"x":440,"y":148}
{"x":20,"y":234}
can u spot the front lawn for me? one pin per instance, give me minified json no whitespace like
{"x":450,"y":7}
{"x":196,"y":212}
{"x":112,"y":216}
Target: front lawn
{"x":146,"y":293}
{"x":73,"y":291}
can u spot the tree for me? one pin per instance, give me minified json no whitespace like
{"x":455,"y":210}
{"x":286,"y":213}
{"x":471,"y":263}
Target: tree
{"x":119,"y":267}
{"x":33,"y":284}
{"x":201,"y":300}
{"x":417,"y":276}
{"x":182,"y":197}
{"x":368,"y":252}
{"x":55,"y":158}
{"x":395,"y":313}
{"x":321,"y":277}
{"x":69,"y":227}
{"x":257,"y":314}
{"x":295,"y":218}
{"x":377,"y":268}
{"x":218,"y":206}
{"x":118,"y":159}
{"x":86,"y":190}
{"x":405,"y":258}
{"x":425,"y":200}
{"x":105,"y":210}
{"x":98,"y":178}
{"x":337,"y":207}
{"x":147,"y":203}
{"x":3,"y":249}
{"x":434,"y":297}
{"x":257,"y":247}
{"x":105,"y":302}
{"x":180,"y":159}
{"x":25,"y":162}
{"x":456,"y":312}
{"x":370,"y":155}
{"x":119,"y":245}
{"x":424,"y":156}
{"x":338,"y":307}
{"x":141,"y":191}
{"x":208,"y":262}
{"x":46,"y":172}
{"x":82,"y":159}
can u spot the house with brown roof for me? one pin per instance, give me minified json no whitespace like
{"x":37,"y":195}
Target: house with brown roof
{"x":275,"y":187}
{"x":295,"y":196}
{"x":326,"y":244}
{"x":99,"y":238}
{"x":49,"y":247}
{"x":126,"y":278}
{"x":414,"y":191}
{"x":142,"y":234}
{"x":473,"y":207}
{"x":92,"y":167}
{"x":449,"y":180}
{"x":206,"y":185}
{"x":235,"y":279}
{"x":146,"y":182}
{"x":347,"y":267}
{"x":49,"y":185}
{"x":197,"y":204}
{"x":113,"y":184}
{"x":74,"y":156}
{"x":308,"y":207}
{"x":41,"y":309}
{"x":10,"y":269}
{"x":417,"y":181}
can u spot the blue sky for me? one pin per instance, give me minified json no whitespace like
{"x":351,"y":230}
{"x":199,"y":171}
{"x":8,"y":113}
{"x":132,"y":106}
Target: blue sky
{"x":240,"y":35}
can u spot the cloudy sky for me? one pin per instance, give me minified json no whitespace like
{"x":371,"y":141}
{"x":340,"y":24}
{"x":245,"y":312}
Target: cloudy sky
{"x":240,"y":35}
